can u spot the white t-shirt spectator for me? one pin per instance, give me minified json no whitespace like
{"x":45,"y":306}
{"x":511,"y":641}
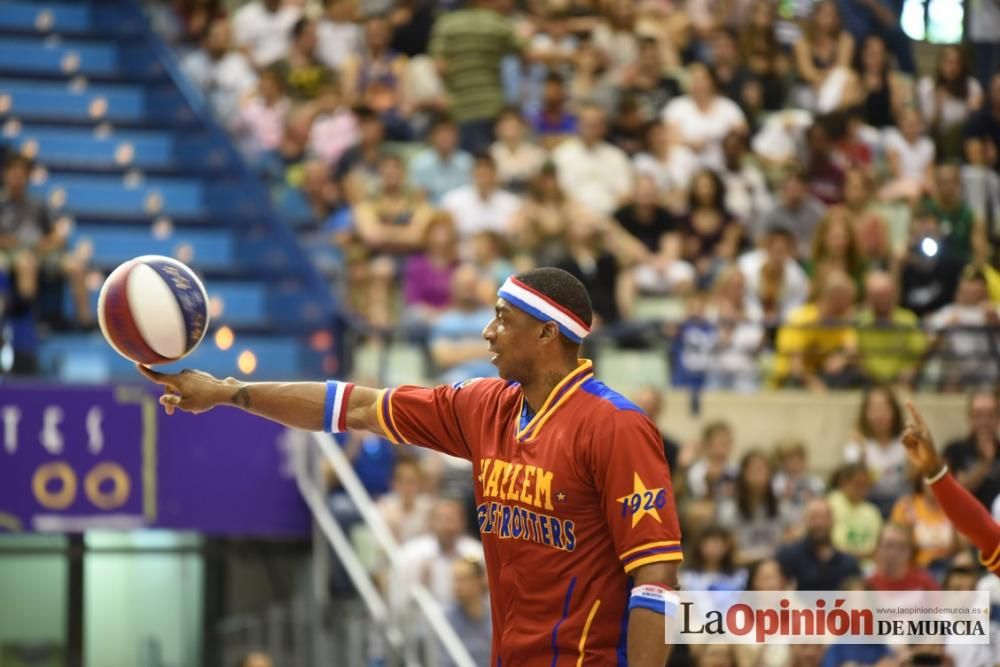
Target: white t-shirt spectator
{"x":262,"y":127}
{"x":335,"y":42}
{"x":747,"y":196}
{"x":266,"y":34}
{"x":708,"y":127}
{"x":332,"y":134}
{"x":887,"y":463}
{"x":474,"y":213}
{"x":953,"y":111}
{"x":795,"y":288}
{"x":966,"y":354}
{"x":425,"y":563}
{"x":599,"y":177}
{"x":225,"y":81}
{"x":674,"y":173}
{"x":913,"y":158}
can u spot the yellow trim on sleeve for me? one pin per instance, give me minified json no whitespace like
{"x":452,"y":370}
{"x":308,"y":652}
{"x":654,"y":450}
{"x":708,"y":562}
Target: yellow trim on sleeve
{"x":658,"y":558}
{"x":392,"y":421}
{"x":993,"y":561}
{"x":381,"y":417}
{"x":586,"y":629}
{"x":649,"y":545}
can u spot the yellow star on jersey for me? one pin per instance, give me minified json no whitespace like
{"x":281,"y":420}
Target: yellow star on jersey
{"x":643,"y":499}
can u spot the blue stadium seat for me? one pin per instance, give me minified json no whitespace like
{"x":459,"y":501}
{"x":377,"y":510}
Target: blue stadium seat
{"x":81,"y":147}
{"x":65,"y":18}
{"x":110,"y":195}
{"x":25,"y":55}
{"x":212,"y":249}
{"x":118,"y":102}
{"x":86,"y":357}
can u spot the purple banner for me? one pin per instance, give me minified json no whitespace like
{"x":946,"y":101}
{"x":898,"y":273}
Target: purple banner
{"x":84,"y":458}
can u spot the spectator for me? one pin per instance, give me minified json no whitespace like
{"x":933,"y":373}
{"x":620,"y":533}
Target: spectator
{"x":553,"y":45}
{"x":490,"y":255}
{"x":305,"y":76}
{"x":333,"y":129}
{"x":871,"y":221}
{"x":930,"y":274}
{"x":412,"y":22}
{"x":667,"y":161}
{"x":442,"y":166}
{"x":712,"y":565}
{"x":594,"y":255}
{"x":794,"y":485}
{"x":702,"y":118}
{"x":962,"y":577}
{"x":878,"y":445}
{"x":766,"y":575}
{"x":934,"y":538}
{"x":481,"y":205}
{"x":591,"y":82}
{"x":224,"y":75}
{"x":540,"y":228}
{"x":456,"y":342}
{"x":660,"y":269}
{"x":734,"y":80}
{"x":823,"y":57}
{"x":816,"y":347}
{"x":711,"y":237}
{"x":553,"y":122}
{"x":406,"y":508}
{"x":646,"y":81}
{"x":470,"y":615}
{"x":754,"y":515}
{"x":34,"y":252}
{"x":628,"y":132}
{"x":763,"y":54}
{"x":890,"y":340}
{"x":835,"y":249}
{"x":374,"y":76}
{"x":965,"y":336}
{"x":396,"y":219}
{"x":338,"y":34}
{"x":964,"y":236}
{"x":430,"y":558}
{"x":195,"y":18}
{"x":692,"y":345}
{"x":775,"y":283}
{"x":468,"y":45}
{"x":882,"y":19}
{"x":910,"y":154}
{"x":428,"y":276}
{"x":518,"y":160}
{"x":592,"y":171}
{"x":825,"y":178}
{"x":982,"y":132}
{"x":260,"y":125}
{"x":747,"y":195}
{"x":263,"y":29}
{"x":856,"y":522}
{"x":948,"y":99}
{"x":984,"y":33}
{"x":797,"y":211}
{"x":713,"y":475}
{"x":981,"y":185}
{"x":813,"y":562}
{"x":974,"y":459}
{"x":650,"y":400}
{"x":360,"y":162}
{"x":881,"y":93}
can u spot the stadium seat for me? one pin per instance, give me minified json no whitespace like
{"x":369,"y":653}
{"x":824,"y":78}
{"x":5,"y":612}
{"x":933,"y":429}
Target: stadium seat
{"x":212,"y":248}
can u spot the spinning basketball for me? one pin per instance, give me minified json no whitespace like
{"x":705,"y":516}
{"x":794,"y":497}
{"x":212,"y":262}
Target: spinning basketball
{"x":153,"y":310}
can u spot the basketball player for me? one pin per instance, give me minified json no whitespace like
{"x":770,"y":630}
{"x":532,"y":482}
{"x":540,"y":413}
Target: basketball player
{"x":961,"y":507}
{"x":574,"y":496}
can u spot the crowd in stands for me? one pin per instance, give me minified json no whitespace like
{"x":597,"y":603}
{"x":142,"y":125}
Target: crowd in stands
{"x":822,"y":212}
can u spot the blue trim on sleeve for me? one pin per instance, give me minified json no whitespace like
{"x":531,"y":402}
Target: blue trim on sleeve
{"x":331,"y":393}
{"x":647,"y":603}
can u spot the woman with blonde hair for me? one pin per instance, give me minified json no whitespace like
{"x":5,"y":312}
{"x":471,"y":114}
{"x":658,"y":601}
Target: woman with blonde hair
{"x":835,"y":250}
{"x":823,"y":57}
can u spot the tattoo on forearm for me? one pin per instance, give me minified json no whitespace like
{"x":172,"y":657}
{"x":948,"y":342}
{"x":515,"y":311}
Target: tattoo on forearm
{"x":242,"y":397}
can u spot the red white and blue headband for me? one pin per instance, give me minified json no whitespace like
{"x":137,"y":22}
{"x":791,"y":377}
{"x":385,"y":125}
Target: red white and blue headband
{"x":542,"y":308}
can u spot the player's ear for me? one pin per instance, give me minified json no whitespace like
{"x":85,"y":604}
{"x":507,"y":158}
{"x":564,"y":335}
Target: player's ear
{"x":549,"y":333}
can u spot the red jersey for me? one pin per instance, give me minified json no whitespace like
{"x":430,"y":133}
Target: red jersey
{"x":570,"y":501}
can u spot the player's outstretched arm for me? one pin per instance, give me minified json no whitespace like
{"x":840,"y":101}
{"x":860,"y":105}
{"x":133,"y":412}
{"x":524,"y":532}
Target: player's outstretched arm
{"x":301,"y":405}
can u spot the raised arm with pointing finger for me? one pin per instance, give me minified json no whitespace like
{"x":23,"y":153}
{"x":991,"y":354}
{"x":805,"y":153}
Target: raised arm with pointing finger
{"x":961,"y":507}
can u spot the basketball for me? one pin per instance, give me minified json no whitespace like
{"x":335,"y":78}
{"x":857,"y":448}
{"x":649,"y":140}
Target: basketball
{"x":153,"y":310}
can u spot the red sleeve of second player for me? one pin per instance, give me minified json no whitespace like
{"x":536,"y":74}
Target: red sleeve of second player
{"x":632,"y":476}
{"x":438,"y":418}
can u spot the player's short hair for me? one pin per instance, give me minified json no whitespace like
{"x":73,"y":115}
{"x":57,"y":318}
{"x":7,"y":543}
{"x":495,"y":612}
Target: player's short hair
{"x":563,"y":288}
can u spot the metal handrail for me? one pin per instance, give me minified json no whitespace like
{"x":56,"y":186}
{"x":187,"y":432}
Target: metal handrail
{"x":436,"y":620}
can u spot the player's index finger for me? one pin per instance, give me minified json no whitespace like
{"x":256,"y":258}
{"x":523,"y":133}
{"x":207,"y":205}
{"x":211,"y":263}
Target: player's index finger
{"x":917,"y":417}
{"x":154,"y":376}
